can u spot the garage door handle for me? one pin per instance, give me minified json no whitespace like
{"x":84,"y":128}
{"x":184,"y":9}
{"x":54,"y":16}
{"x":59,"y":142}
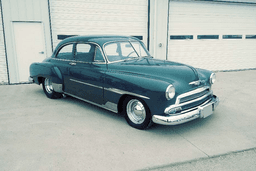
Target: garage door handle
{"x":72,"y":63}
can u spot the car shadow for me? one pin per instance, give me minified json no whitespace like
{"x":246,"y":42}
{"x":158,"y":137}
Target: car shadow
{"x":192,"y":126}
{"x":94,"y":108}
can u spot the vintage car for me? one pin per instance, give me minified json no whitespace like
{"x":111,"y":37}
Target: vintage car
{"x":118,"y":74}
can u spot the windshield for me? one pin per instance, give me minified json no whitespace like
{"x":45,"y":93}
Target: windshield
{"x":117,"y":51}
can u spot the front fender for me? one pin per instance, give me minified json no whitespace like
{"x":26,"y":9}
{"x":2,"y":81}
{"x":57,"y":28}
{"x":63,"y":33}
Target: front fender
{"x":151,"y":91}
{"x":204,"y":75}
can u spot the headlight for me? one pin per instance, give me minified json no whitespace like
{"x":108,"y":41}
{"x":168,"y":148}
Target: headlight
{"x":212,"y":78}
{"x":170,"y":92}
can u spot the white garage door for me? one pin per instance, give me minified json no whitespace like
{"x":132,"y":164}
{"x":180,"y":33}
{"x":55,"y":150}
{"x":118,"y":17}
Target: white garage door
{"x":87,"y":17}
{"x":211,"y":35}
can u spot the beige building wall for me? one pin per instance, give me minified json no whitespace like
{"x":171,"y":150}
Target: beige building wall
{"x":23,"y":11}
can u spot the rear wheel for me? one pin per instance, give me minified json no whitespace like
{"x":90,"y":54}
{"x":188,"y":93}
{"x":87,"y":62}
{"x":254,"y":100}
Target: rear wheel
{"x":48,"y":89}
{"x":137,"y":113}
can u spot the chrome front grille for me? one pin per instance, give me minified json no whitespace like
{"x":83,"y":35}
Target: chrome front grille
{"x":199,"y":94}
{"x":190,"y":99}
{"x":193,"y":96}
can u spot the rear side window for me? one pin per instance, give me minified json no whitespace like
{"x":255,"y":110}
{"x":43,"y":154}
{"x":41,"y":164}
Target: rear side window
{"x":85,"y":52}
{"x":66,"y":52}
{"x":98,"y":56}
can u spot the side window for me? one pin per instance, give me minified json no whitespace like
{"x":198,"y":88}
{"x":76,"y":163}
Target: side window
{"x":98,"y":56}
{"x":83,"y":48}
{"x":84,"y":52}
{"x":111,"y":49}
{"x":66,"y":52}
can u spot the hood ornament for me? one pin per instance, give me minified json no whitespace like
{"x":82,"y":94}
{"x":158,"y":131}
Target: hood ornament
{"x":197,"y":83}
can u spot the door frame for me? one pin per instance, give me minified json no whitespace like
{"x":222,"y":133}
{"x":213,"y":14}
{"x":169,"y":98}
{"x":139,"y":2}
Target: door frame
{"x":16,"y":64}
{"x":159,"y":27}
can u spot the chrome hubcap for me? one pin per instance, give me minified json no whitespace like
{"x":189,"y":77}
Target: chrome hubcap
{"x":136,"y":111}
{"x":48,"y":85}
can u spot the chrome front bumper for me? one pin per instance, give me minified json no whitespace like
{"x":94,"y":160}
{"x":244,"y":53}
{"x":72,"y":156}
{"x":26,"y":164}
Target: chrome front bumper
{"x":201,"y":111}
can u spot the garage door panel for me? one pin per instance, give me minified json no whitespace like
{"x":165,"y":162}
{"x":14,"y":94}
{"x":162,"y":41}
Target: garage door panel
{"x":87,"y":17}
{"x":225,"y":27}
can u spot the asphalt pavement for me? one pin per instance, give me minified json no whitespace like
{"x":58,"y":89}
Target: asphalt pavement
{"x":37,"y":133}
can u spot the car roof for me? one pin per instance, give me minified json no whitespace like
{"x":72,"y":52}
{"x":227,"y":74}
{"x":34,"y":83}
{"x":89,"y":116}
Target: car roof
{"x":99,"y":39}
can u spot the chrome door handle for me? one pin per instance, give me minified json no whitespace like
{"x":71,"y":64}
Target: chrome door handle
{"x":72,"y":63}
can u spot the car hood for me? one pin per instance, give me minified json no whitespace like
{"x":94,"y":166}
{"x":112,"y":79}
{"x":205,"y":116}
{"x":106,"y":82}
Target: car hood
{"x":180,"y":75}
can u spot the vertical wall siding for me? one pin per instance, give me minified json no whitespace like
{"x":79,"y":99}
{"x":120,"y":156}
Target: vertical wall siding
{"x":23,"y":11}
{"x":3,"y":67}
{"x":87,"y":17}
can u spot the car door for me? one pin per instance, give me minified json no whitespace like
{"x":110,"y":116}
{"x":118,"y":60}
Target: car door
{"x":63,"y":60}
{"x":87,"y":75}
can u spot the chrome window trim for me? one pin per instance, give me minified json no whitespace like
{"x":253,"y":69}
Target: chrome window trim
{"x":77,"y":42}
{"x":118,"y":91}
{"x":104,"y":57}
{"x":81,"y":82}
{"x":99,"y":62}
{"x":129,"y":40}
{"x":57,"y":51}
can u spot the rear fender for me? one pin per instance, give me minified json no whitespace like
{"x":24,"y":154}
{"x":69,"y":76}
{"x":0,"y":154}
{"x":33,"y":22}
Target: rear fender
{"x":47,"y":70}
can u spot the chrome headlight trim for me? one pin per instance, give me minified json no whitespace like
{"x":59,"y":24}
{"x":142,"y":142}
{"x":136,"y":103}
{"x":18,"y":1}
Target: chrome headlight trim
{"x":212,"y":78}
{"x":170,"y":92}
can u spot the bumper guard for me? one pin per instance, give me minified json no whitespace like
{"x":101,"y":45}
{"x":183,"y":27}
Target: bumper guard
{"x":202,"y":111}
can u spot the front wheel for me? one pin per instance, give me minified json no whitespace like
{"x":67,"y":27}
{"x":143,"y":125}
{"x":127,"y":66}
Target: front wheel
{"x":48,"y":89}
{"x":137,"y":113}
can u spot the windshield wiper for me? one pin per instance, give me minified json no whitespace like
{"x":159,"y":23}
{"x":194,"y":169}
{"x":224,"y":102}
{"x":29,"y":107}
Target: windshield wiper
{"x":147,"y":57}
{"x":131,"y":58}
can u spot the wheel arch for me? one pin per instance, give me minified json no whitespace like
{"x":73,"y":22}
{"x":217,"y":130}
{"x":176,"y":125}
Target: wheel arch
{"x":40,"y":71}
{"x":120,"y":105}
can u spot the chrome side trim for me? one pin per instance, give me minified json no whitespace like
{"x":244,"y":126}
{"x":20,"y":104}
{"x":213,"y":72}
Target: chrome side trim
{"x":64,"y":60}
{"x":195,"y":83}
{"x":111,"y":106}
{"x":86,"y":83}
{"x":57,"y":87}
{"x":118,"y":91}
{"x":108,"y":106}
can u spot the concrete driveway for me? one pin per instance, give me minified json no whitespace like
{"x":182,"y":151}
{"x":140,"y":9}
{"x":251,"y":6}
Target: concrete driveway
{"x":37,"y":133}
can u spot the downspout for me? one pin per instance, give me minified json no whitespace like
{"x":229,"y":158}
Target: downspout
{"x":6,"y":59}
{"x":50,"y":23}
{"x":148,"y":25}
{"x":167,"y":41}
